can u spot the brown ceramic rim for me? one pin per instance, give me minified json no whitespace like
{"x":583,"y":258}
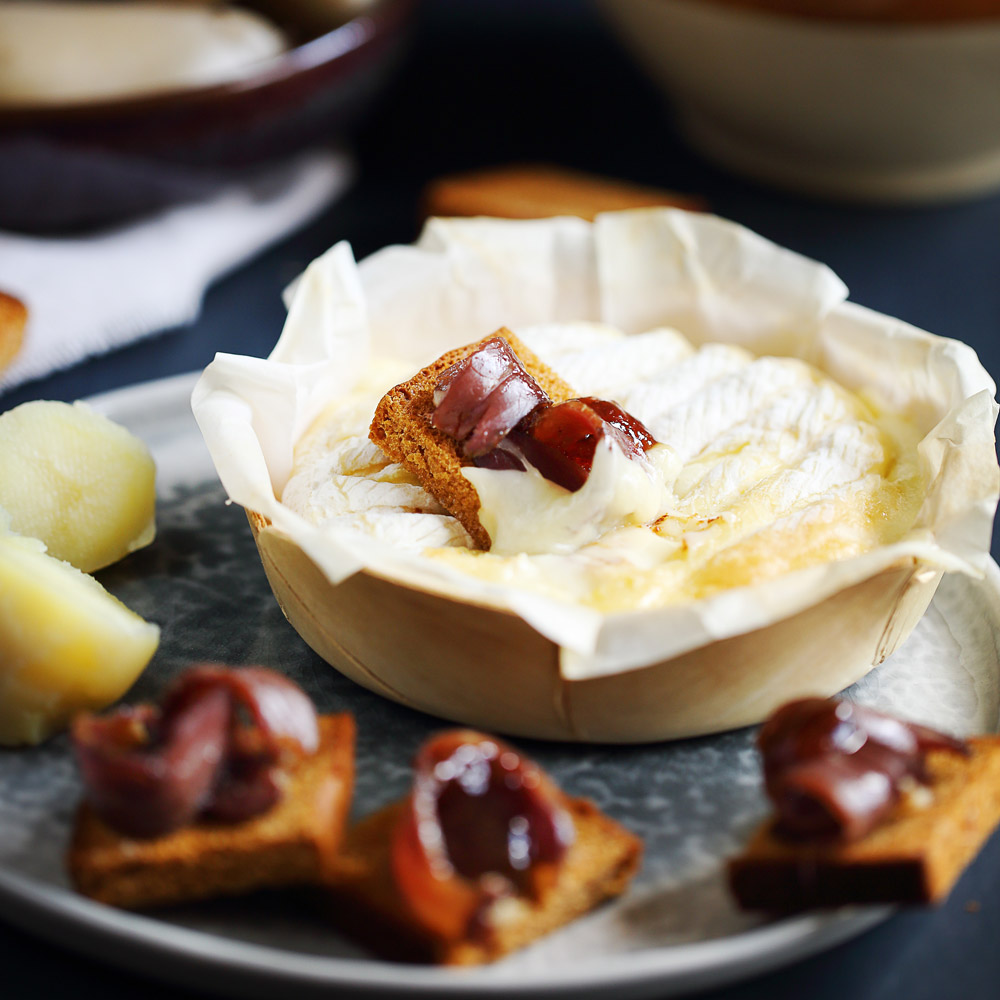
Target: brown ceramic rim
{"x":341,"y":47}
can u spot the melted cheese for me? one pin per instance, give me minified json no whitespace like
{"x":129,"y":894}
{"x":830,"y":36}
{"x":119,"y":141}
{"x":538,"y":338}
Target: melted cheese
{"x":524,"y":512}
{"x":768,"y":466}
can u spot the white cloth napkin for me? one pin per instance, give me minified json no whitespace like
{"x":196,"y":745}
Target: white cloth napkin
{"x":87,"y":295}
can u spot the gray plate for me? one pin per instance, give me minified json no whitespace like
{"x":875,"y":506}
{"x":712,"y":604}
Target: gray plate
{"x":693,"y":802}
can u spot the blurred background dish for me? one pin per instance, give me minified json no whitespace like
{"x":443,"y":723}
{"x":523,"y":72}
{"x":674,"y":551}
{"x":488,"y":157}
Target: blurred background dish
{"x":107,"y":158}
{"x":878,"y":100}
{"x":916,"y":11}
{"x":69,"y":53}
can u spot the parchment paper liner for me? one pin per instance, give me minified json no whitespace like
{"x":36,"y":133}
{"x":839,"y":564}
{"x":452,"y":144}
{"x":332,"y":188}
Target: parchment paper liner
{"x":491,"y":656}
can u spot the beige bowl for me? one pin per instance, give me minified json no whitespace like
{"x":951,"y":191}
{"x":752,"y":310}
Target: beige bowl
{"x":859,"y":109}
{"x":492,"y":656}
{"x":445,"y":656}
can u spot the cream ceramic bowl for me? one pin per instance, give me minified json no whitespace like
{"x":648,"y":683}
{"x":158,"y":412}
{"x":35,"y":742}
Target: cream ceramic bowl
{"x":870,"y":110}
{"x":502,"y":659}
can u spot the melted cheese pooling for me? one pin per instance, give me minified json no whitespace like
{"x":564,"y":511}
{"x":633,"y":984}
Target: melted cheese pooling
{"x":775,"y":468}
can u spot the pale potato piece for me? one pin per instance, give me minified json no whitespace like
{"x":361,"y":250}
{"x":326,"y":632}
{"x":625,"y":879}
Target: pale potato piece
{"x":66,"y":644}
{"x":81,"y":483}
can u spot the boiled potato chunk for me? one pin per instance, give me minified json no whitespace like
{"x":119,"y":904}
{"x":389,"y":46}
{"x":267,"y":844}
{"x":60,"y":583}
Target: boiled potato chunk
{"x":66,"y":644}
{"x":81,"y":483}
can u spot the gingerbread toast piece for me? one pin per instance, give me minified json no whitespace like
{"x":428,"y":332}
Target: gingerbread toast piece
{"x":402,"y":428}
{"x":289,"y":845}
{"x":365,"y":902}
{"x":536,"y":191}
{"x":914,"y":857}
{"x":13,"y":319}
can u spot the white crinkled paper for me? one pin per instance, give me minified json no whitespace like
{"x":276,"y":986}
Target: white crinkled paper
{"x":712,"y":280}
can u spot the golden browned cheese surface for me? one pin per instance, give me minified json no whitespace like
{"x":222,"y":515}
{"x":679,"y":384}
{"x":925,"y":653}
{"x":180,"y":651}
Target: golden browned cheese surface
{"x":775,"y":468}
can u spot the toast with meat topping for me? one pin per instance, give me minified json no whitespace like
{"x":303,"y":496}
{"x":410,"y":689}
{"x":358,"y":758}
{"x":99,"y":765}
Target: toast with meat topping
{"x":13,"y":319}
{"x":290,"y":844}
{"x":536,"y":191}
{"x":402,"y":428}
{"x":916,"y":856}
{"x":366,"y":904}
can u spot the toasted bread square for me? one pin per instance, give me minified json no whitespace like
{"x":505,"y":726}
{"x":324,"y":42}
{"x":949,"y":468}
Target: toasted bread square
{"x":914,"y":857}
{"x":402,"y":428}
{"x":288,"y":845}
{"x":536,"y":191}
{"x":365,"y":903}
{"x":13,"y":319}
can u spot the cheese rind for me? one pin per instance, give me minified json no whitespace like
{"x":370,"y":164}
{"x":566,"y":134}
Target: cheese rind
{"x":772,"y":467}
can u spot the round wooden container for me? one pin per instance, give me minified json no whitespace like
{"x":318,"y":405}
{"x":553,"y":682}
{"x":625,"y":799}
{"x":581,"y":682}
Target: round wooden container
{"x":485,"y":667}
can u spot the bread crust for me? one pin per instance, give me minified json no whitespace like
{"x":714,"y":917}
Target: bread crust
{"x":13,"y":320}
{"x":402,"y":428}
{"x":914,"y":857}
{"x":365,"y":903}
{"x":288,"y":845}
{"x":536,"y":191}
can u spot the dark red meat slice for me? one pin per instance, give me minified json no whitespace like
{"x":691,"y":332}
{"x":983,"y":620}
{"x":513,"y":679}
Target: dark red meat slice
{"x":215,"y":747}
{"x":834,"y":770}
{"x":481,"y":398}
{"x":501,"y":418}
{"x":481,"y":822}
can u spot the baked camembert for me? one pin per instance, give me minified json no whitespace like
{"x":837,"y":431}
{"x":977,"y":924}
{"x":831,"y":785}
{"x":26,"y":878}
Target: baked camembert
{"x":757,"y":466}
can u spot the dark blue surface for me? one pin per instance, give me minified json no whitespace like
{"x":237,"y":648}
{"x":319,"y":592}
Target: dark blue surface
{"x":515,"y":80}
